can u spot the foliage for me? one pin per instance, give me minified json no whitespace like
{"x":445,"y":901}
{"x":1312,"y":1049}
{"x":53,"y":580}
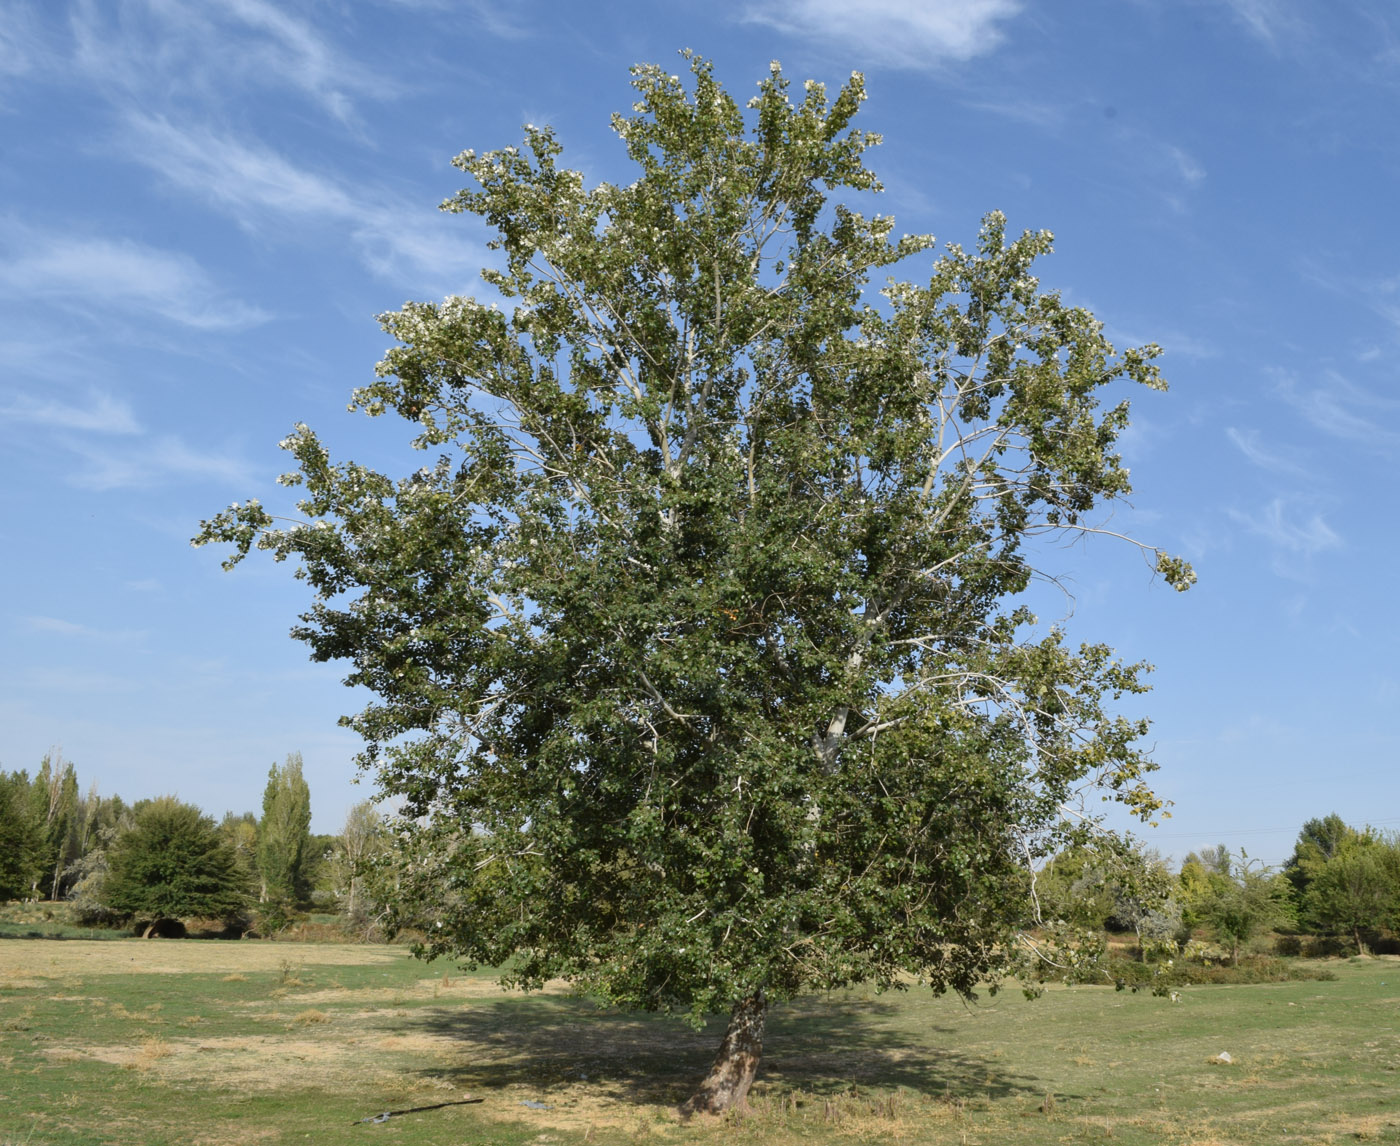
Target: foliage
{"x":362,"y":840}
{"x":97,"y":823}
{"x":54,"y":801}
{"x":700,"y":671}
{"x":284,"y":833}
{"x":240,"y":832}
{"x":1318,"y":841}
{"x":1161,"y":977}
{"x":21,"y":841}
{"x":319,"y":874}
{"x":1070,"y":887}
{"x":49,"y":920}
{"x":1356,"y":890}
{"x":1115,"y":883}
{"x":105,"y":821}
{"x":1234,"y":897}
{"x":172,"y":864}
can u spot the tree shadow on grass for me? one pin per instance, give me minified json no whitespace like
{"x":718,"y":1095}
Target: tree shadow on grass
{"x":554,"y":1044}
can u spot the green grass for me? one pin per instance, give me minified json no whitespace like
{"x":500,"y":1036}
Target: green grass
{"x":49,"y":921}
{"x":56,"y":930}
{"x":275,"y":1043}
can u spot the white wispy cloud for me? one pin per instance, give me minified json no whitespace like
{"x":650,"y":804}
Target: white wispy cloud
{"x":107,"y":448}
{"x":1378,"y":293}
{"x":901,"y":33}
{"x":292,"y":51}
{"x":1035,"y":112}
{"x":1247,"y":442}
{"x":249,"y":181}
{"x":102,"y":414}
{"x":1187,"y":167}
{"x":1170,"y":168}
{"x":116,"y":274}
{"x":64,"y":628}
{"x":80,"y":683}
{"x":1300,"y":538}
{"x":1270,"y":21}
{"x":1339,"y":408}
{"x":1155,"y":166}
{"x":260,"y":189}
{"x":20,"y":41}
{"x":1174,"y":343}
{"x":514,"y":21}
{"x":205,"y":51}
{"x":155,"y":461}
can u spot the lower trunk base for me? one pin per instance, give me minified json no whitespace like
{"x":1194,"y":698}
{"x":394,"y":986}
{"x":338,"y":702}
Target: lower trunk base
{"x":732,"y":1073}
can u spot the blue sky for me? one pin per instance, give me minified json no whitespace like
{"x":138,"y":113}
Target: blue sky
{"x":203,"y":204}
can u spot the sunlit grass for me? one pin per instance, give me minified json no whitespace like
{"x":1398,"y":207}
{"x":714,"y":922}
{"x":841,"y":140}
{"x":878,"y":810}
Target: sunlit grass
{"x":264,"y":1046}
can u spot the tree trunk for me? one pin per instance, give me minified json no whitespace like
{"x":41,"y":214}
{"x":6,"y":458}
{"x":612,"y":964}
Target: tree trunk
{"x":732,"y":1073}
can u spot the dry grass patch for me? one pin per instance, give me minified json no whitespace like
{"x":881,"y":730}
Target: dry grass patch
{"x":310,"y":1017}
{"x":463,"y":989}
{"x":150,"y":1014}
{"x":248,"y":1135}
{"x":151,"y":1051}
{"x":30,"y":959}
{"x":64,"y":1054}
{"x":248,"y":1064}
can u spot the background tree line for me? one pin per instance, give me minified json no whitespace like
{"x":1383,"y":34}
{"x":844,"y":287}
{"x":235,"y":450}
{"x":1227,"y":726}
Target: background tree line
{"x":59,"y":842}
{"x":162,"y":859}
{"x":1340,"y":882}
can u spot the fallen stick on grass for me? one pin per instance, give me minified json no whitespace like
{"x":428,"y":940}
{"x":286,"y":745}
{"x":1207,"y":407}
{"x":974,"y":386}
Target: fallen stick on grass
{"x":388,"y":1114}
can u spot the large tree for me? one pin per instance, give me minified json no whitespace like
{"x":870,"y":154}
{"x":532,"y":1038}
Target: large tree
{"x":1356,"y":889}
{"x":702,"y":666}
{"x":1319,"y":840}
{"x":173,"y":864}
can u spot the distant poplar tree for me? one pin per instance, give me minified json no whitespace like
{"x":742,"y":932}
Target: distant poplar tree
{"x":240,"y":832}
{"x":284,"y":833}
{"x":363,"y":837}
{"x":54,"y":800}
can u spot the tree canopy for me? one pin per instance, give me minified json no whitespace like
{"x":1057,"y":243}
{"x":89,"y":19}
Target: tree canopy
{"x":702,"y":669}
{"x":173,"y":864}
{"x":1345,"y":881}
{"x":1232,"y":895}
{"x":21,"y":838}
{"x":284,"y":834}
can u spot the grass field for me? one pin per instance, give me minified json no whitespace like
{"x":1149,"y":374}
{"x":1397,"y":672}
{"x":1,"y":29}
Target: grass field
{"x":203,"y":1042}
